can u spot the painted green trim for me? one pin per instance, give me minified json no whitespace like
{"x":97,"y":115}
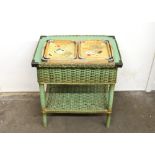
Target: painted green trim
{"x":117,"y":56}
{"x":120,"y":63}
{"x":39,"y":49}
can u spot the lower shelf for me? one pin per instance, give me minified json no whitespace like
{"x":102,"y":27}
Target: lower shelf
{"x":76,"y":99}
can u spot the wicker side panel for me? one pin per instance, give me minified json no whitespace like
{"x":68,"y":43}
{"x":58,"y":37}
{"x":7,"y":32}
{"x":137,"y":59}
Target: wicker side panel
{"x":77,"y":75}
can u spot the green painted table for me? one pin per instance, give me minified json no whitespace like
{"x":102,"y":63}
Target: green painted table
{"x":83,"y":83}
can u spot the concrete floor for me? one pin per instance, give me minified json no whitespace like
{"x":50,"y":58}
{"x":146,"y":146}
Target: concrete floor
{"x":132,"y":112}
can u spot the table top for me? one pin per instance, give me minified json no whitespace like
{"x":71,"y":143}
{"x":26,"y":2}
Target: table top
{"x":86,"y":50}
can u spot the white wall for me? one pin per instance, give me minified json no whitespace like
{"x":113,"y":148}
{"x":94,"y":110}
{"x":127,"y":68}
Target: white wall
{"x":151,"y":80}
{"x":22,"y":22}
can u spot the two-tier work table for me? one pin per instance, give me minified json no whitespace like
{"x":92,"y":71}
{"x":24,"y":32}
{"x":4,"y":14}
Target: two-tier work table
{"x":77,"y":74}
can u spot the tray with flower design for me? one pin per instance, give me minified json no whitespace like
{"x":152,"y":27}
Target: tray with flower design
{"x":59,"y":50}
{"x":95,"y":50}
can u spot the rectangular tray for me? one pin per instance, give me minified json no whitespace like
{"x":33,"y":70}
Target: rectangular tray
{"x":59,"y":50}
{"x":95,"y":49}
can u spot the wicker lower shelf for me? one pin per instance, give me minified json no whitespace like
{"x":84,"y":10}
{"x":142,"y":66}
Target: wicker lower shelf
{"x":76,"y":99}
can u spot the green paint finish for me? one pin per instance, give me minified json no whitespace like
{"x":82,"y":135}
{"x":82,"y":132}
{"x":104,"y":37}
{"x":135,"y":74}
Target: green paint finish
{"x":45,"y":120}
{"x":108,"y":120}
{"x":77,"y":75}
{"x":42,"y":96}
{"x":40,"y":47}
{"x":43,"y":103}
{"x":90,"y":88}
{"x":111,"y":95}
{"x":77,"y":99}
{"x":110,"y":103}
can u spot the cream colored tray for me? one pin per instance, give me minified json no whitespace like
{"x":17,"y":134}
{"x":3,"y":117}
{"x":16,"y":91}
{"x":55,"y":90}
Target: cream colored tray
{"x":95,"y":49}
{"x":60,"y":50}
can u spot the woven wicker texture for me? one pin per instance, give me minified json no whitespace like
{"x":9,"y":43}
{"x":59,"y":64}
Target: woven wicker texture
{"x":76,"y":75}
{"x":77,"y":65}
{"x":80,"y":99}
{"x":79,"y":85}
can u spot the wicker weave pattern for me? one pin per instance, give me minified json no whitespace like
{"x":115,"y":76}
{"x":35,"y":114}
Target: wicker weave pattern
{"x":81,"y":99}
{"x":77,"y":75}
{"x":77,"y":65}
{"x":78,"y":86}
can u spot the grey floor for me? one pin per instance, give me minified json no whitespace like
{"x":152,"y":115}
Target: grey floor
{"x":132,"y":112}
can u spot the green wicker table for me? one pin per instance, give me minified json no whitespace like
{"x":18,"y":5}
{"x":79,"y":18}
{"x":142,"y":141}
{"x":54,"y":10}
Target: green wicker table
{"x":76,"y":86}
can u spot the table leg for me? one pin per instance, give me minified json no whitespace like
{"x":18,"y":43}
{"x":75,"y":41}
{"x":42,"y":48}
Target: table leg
{"x":110,"y":103}
{"x":45,"y":120}
{"x":108,"y":119}
{"x":43,"y":103}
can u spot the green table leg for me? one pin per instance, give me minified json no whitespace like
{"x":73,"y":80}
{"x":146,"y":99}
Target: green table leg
{"x":108,"y":119}
{"x":43,"y":103}
{"x":110,"y":103}
{"x":45,"y":120}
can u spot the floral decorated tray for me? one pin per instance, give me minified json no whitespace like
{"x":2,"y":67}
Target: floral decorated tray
{"x":95,"y":49}
{"x":59,"y":50}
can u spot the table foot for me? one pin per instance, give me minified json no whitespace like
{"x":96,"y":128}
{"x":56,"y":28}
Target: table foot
{"x":108,"y":119}
{"x":45,"y":120}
